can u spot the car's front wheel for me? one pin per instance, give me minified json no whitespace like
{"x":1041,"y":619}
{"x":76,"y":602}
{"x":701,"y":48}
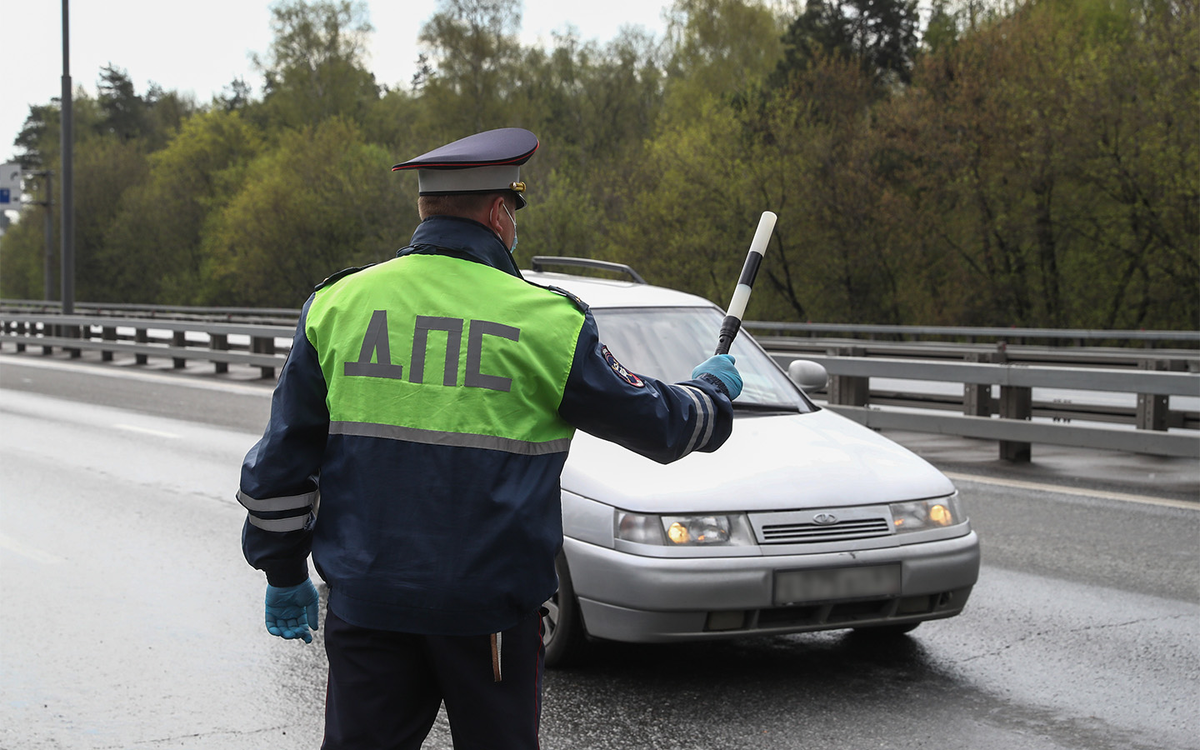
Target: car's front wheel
{"x":564,"y":635}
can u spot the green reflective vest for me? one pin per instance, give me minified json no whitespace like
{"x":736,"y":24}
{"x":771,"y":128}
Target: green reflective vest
{"x":439,"y":350}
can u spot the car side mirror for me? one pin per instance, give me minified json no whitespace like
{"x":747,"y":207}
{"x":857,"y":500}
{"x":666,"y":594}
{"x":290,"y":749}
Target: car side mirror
{"x":808,"y":375}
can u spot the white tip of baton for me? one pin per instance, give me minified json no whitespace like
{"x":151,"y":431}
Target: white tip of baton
{"x":762,"y":235}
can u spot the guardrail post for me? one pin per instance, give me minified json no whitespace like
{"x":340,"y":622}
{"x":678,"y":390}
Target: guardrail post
{"x":49,"y":330}
{"x":1016,"y":402}
{"x":219,"y":342}
{"x":73,"y":332}
{"x":263,"y":345}
{"x":21,"y":331}
{"x":1153,"y":411}
{"x":179,"y":339}
{"x":107,"y":333}
{"x":848,"y":390}
{"x":140,"y":336}
{"x":977,"y":397}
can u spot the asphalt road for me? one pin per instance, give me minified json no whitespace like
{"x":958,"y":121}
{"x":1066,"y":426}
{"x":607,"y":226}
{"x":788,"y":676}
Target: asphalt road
{"x":130,"y":620}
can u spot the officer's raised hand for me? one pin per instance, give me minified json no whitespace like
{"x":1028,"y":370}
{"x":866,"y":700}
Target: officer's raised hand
{"x":292,"y":610}
{"x":720,"y":368}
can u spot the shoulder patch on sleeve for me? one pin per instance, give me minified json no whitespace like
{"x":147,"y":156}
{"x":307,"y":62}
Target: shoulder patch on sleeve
{"x":336,"y":277}
{"x":620,"y":370}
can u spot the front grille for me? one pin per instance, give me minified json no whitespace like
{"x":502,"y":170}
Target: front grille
{"x":809,"y":533}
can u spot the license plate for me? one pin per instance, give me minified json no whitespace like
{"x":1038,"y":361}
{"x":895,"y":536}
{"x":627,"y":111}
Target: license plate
{"x":796,"y":586}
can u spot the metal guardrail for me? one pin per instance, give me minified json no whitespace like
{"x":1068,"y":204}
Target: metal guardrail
{"x":849,"y":393}
{"x":855,"y":331}
{"x":130,"y":330}
{"x":142,"y":338}
{"x":1015,"y":376}
{"x":975,"y":333}
{"x":170,"y":312}
{"x":1181,"y":360}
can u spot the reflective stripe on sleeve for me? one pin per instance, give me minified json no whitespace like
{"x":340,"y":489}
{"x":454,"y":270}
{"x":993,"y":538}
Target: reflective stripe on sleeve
{"x":712,"y":418}
{"x":294,"y":523}
{"x":704,"y":425}
{"x":699,"y":422}
{"x":277,"y":504}
{"x":708,"y":421}
{"x":455,"y":439}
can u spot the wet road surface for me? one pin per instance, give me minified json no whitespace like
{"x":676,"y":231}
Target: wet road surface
{"x":131,"y":621}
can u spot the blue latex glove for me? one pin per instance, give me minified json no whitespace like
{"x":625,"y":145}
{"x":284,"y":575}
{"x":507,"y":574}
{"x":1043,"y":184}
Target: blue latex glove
{"x":721,"y":367}
{"x":292,"y":610}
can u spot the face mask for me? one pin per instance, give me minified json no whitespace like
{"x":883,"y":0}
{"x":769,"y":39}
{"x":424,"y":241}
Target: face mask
{"x":512,"y":249}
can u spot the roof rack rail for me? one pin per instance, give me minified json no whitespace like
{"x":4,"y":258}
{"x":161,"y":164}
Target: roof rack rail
{"x":539,"y":261}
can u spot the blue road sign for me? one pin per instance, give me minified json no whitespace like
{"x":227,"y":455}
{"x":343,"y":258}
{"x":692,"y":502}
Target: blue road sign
{"x":5,"y":197}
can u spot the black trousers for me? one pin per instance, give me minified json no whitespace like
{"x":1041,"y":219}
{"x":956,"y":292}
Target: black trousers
{"x":385,"y":688}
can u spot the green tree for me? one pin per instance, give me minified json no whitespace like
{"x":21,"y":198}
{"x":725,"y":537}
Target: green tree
{"x":38,"y":139}
{"x":1052,"y":154}
{"x":804,"y":151}
{"x":236,"y":95}
{"x":1032,"y":163}
{"x":124,"y":112}
{"x":879,"y":35}
{"x":473,"y":57}
{"x":319,"y":201}
{"x":814,"y":153}
{"x":693,"y":194}
{"x":157,"y":236}
{"x":941,"y":31}
{"x":314,"y":69}
{"x":22,"y":249}
{"x":103,"y":167}
{"x":719,"y":48}
{"x":165,"y":115}
{"x":594,"y":106}
{"x":564,"y":220}
{"x":591,"y":102}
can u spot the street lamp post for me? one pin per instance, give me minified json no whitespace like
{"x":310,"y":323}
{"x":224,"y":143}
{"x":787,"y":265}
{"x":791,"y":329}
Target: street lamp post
{"x":68,"y":174}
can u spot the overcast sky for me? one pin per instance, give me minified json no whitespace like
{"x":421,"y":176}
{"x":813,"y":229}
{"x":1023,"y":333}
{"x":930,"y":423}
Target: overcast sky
{"x":201,"y":46}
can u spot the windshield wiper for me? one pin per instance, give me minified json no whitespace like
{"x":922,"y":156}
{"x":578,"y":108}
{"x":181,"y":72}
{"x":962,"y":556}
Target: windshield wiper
{"x":754,"y":406}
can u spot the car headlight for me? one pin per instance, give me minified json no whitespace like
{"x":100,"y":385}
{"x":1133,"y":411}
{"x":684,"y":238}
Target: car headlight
{"x":923,"y":515}
{"x":679,"y":531}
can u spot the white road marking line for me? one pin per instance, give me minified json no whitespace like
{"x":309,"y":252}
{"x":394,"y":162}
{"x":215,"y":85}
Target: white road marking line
{"x":146,"y":431}
{"x":24,"y":550}
{"x":1038,"y":487}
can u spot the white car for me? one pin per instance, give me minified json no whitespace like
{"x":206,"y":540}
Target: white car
{"x":802,"y":521}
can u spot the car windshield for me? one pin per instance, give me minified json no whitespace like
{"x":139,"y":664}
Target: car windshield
{"x":667,"y":342}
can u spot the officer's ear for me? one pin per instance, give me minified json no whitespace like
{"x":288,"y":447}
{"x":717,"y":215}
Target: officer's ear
{"x":496,"y":213}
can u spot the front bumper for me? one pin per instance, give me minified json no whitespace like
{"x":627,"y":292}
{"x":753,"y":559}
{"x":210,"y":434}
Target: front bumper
{"x":628,"y":597}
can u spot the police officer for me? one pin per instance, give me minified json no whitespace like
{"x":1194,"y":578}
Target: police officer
{"x":426,"y":408}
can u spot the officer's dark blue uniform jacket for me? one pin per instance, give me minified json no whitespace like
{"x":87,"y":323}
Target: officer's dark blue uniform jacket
{"x":437,"y":536}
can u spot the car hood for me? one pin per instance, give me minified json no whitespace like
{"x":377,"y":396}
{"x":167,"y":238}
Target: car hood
{"x":770,"y":462}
